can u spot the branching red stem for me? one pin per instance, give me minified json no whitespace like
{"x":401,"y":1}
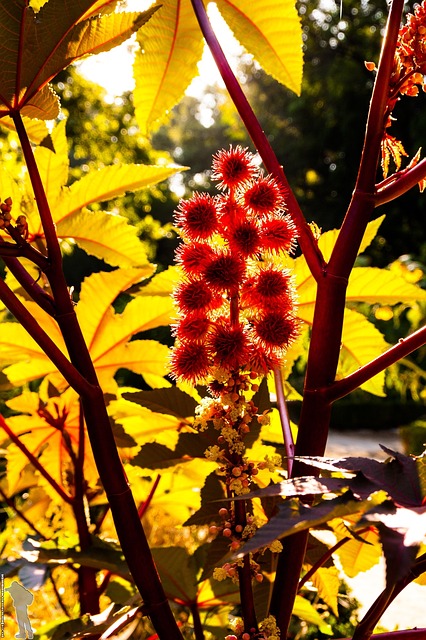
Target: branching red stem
{"x":405,"y":346}
{"x":307,"y":241}
{"x":403,"y":181}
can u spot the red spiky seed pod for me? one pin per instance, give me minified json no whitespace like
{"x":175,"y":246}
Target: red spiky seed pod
{"x":233,"y":167}
{"x":190,"y":362}
{"x":192,"y":327}
{"x":245,"y":239}
{"x":231,"y":213}
{"x":277,"y":330}
{"x":195,"y":295}
{"x":268,"y":288}
{"x":261,"y":361}
{"x":264,"y":197}
{"x":197,"y":217}
{"x":225,"y":271}
{"x":194,"y":257}
{"x":279,"y":234}
{"x":228,"y":345}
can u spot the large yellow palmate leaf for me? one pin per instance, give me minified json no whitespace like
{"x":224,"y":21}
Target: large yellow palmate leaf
{"x":45,"y":441}
{"x":40,"y":40}
{"x":145,"y":425}
{"x":357,"y":554}
{"x":107,"y":334}
{"x":272,"y":33}
{"x":361,"y":341}
{"x":105,"y":235}
{"x":170,"y":47}
{"x":178,"y":492}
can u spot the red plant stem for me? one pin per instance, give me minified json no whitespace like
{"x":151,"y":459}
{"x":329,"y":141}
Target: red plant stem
{"x":402,"y":182}
{"x":37,"y":293}
{"x":36,"y":464}
{"x":143,"y":508}
{"x":248,"y":612}
{"x":285,"y":420}
{"x":307,"y":241}
{"x":196,"y":621}
{"x":366,"y":627}
{"x":328,"y":320}
{"x":126,"y":519}
{"x":24,"y":317}
{"x":405,"y":346}
{"x":87,"y":585}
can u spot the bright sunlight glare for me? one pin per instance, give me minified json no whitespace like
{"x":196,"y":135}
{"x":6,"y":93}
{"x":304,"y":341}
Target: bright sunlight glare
{"x":113,"y":69}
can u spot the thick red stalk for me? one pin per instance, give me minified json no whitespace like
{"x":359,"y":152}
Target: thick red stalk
{"x":126,"y":519}
{"x":306,"y":239}
{"x":328,"y":320}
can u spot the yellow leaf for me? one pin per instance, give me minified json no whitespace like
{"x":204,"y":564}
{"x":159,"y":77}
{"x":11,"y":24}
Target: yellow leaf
{"x":107,"y":236}
{"x":327,"y":582}
{"x":145,"y":357}
{"x":357,"y":556}
{"x":178,"y":493}
{"x":361,"y":343}
{"x":171,"y":44}
{"x":53,"y":167}
{"x":272,"y":33}
{"x":163,"y":283}
{"x":45,"y":439}
{"x":145,"y":425}
{"x":107,"y":334}
{"x":391,"y":149}
{"x":304,"y":610}
{"x":37,"y":130}
{"x":382,"y":287}
{"x":108,"y":183}
{"x":99,"y":291}
{"x":117,"y":328}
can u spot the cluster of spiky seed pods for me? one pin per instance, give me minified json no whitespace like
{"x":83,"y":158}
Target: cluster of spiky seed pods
{"x":236,"y":303}
{"x":236,"y":318}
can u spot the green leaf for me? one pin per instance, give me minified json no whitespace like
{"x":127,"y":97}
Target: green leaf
{"x":170,"y":47}
{"x":272,"y":33}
